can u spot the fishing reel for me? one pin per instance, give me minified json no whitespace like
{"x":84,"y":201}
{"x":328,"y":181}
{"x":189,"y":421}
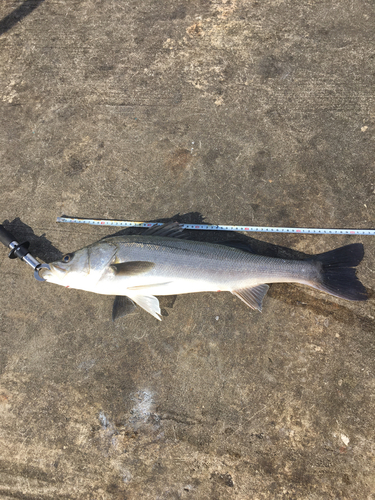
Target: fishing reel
{"x":21,"y":251}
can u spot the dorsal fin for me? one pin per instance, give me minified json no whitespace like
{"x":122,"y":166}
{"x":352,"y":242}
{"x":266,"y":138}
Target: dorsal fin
{"x":240,"y":245}
{"x":169,"y":229}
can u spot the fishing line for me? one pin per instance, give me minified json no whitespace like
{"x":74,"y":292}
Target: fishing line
{"x":220,"y":227}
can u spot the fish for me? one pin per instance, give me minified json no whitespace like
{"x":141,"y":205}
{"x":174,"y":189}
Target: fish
{"x":162,"y":261}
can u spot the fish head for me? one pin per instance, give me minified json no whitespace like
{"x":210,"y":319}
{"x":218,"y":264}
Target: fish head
{"x":101,"y":255}
{"x":82,"y":269}
{"x":70,"y":270}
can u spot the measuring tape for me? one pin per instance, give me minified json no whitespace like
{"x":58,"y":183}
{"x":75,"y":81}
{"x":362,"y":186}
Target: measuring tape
{"x":220,"y":227}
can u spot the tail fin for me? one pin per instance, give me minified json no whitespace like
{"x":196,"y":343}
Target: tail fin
{"x":338,"y":274}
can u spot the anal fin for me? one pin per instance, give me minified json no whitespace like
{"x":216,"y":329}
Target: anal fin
{"x":253,"y":297}
{"x":149,"y":303}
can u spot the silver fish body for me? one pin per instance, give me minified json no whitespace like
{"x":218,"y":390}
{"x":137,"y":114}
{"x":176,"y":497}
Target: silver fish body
{"x":142,"y":266}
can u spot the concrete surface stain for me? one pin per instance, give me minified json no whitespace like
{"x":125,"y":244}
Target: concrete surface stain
{"x":142,"y":409}
{"x":195,"y":30}
{"x":4,"y":398}
{"x":76,"y":166}
{"x":179,"y":161}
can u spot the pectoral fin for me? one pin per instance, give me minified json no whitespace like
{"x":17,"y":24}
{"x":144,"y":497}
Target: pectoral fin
{"x":122,"y":306}
{"x":132,"y":268}
{"x":149,"y":303}
{"x":253,"y":297}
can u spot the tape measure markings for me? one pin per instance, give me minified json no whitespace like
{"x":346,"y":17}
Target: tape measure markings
{"x":219,"y":227}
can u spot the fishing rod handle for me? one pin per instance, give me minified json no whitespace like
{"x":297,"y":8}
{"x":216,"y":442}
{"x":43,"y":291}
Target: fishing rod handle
{"x":20,"y":251}
{"x":6,"y":237}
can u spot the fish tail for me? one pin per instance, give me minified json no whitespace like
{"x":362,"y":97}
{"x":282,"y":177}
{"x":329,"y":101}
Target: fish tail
{"x":338,"y":273}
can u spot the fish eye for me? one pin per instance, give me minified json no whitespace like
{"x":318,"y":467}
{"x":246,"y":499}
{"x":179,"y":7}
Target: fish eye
{"x":67,"y":258}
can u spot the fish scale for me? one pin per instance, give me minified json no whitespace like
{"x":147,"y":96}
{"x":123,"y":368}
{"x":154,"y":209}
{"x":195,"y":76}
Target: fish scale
{"x":201,"y":258}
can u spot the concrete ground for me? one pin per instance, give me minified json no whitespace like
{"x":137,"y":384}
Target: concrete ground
{"x":228,"y":111}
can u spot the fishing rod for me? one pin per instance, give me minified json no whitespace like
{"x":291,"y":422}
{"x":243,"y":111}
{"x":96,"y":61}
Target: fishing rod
{"x":21,"y":250}
{"x":220,"y":227}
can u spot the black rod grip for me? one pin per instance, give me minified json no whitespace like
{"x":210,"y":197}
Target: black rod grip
{"x":5,"y":237}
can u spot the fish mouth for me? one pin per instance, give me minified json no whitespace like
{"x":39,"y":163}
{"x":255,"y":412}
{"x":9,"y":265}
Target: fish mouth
{"x":54,"y":272}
